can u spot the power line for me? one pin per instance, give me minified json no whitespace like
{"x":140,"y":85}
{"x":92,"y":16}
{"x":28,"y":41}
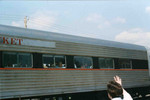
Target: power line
{"x":61,"y":28}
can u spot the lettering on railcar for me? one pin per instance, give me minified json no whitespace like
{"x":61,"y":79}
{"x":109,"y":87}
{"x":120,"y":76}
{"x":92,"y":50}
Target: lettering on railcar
{"x":11,"y":41}
{"x":26,"y":42}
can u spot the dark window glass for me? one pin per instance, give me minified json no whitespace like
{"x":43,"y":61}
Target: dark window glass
{"x":60,"y":62}
{"x":95,"y":62}
{"x":48,"y":61}
{"x":139,"y":64}
{"x":125,"y":64}
{"x":102,"y":63}
{"x":105,"y":63}
{"x":1,"y":59}
{"x":83,"y":62}
{"x":109,"y":63}
{"x":47,"y":99}
{"x":35,"y":99}
{"x":70,"y":61}
{"x":51,"y":61}
{"x":12,"y":59}
{"x":24,"y":60}
{"x":9,"y":59}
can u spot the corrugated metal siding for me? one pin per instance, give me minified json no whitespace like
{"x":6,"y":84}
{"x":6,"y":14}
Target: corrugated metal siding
{"x":69,"y":48}
{"x":93,"y":50}
{"x":24,"y":83}
{"x":31,"y":33}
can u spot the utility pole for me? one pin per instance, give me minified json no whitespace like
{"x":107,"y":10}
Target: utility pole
{"x":26,"y":19}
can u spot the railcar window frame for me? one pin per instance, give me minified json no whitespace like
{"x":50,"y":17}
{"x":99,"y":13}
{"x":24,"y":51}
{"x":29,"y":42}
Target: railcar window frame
{"x":17,"y":65}
{"x":43,"y":62}
{"x":54,"y":61}
{"x":83,"y":65}
{"x":130,"y":63}
{"x":60,"y":63}
{"x":105,"y":61}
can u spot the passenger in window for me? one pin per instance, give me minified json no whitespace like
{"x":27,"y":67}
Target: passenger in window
{"x":52,"y":65}
{"x":86,"y":66}
{"x":75,"y":66}
{"x":82,"y":67}
{"x":60,"y":64}
{"x":45,"y":66}
{"x":89,"y":66}
{"x":57,"y":65}
{"x":63,"y":66}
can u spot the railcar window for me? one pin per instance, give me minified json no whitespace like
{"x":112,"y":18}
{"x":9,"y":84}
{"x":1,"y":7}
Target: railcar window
{"x":83,"y":62}
{"x":125,"y":64}
{"x":106,"y":63}
{"x":48,"y":61}
{"x":35,"y":99}
{"x":51,"y":61}
{"x":14,"y":59}
{"x":9,"y":59}
{"x":47,"y":99}
{"x":24,"y":60}
{"x":26,"y":99}
{"x":139,"y":64}
{"x":60,"y":61}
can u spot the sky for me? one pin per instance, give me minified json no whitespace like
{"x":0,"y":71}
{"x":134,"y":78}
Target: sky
{"x":116,"y":20}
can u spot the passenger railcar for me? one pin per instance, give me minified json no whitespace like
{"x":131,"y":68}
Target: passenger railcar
{"x":39,"y":65}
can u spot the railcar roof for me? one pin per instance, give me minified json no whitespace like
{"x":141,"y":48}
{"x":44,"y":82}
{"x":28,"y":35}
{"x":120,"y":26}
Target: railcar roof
{"x":31,"y":33}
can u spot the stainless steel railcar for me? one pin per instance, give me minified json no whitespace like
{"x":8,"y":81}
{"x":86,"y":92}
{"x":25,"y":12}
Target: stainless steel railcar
{"x":39,"y":64}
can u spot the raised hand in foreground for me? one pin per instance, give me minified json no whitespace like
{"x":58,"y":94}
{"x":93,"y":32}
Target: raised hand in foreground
{"x":118,"y":80}
{"x":126,"y":95}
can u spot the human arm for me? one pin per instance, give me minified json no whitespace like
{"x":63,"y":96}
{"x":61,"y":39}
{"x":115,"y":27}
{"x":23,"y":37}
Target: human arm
{"x":126,"y":95}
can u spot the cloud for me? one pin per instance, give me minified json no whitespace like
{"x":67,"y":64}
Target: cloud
{"x":98,"y":20}
{"x":99,"y":26}
{"x":41,"y":20}
{"x":107,"y":23}
{"x":17,"y":24}
{"x":120,"y":20}
{"x":94,"y":18}
{"x":102,"y":22}
{"x":134,"y":36}
{"x":147,"y":9}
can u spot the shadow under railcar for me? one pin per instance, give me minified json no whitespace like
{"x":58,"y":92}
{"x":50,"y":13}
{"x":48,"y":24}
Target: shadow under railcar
{"x":96,"y":95}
